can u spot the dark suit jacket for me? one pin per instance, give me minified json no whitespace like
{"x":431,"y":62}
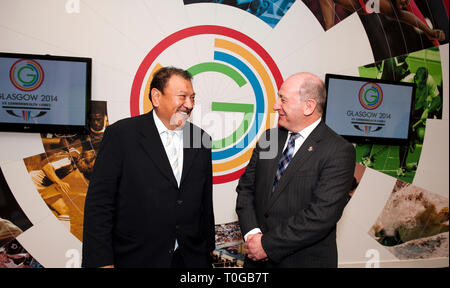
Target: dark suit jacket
{"x":298,"y":219}
{"x":134,"y":209}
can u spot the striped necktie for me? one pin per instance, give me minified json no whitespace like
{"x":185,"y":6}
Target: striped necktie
{"x":286,"y":157}
{"x":172,"y":153}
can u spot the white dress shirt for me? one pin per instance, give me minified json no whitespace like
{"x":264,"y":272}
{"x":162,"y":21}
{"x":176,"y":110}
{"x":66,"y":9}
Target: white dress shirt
{"x":303,"y":135}
{"x":298,"y":143}
{"x":178,"y":140}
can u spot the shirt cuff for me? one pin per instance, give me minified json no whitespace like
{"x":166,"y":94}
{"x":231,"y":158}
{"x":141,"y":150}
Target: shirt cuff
{"x":251,"y":232}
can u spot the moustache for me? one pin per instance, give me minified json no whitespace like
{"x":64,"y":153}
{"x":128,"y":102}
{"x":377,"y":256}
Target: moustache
{"x":186,"y":111}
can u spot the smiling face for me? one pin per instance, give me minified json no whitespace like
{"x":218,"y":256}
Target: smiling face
{"x":300,"y":101}
{"x":289,"y":106}
{"x":174,"y":104}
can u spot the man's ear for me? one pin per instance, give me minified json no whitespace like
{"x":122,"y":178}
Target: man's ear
{"x":155,"y":94}
{"x":310,"y":107}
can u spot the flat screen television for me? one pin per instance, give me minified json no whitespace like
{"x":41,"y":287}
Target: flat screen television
{"x":43,"y":93}
{"x":365,"y":110}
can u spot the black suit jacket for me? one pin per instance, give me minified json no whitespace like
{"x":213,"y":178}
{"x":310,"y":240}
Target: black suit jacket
{"x":298,"y":219}
{"x":134,"y":209}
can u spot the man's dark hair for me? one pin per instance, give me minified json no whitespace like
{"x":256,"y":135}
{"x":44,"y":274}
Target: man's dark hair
{"x":162,"y":76}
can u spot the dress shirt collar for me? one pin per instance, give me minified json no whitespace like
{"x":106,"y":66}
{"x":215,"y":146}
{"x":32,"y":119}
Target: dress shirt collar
{"x":162,"y":128}
{"x":308,"y":130}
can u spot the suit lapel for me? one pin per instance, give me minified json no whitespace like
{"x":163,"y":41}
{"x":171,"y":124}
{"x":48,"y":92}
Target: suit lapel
{"x":189,"y":152}
{"x":151,"y":143}
{"x":303,"y":154}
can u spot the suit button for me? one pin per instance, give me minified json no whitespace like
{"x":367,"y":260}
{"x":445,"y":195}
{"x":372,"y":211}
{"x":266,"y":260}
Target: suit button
{"x":170,"y":251}
{"x":266,"y":215}
{"x":177,"y":227}
{"x":179,"y":202}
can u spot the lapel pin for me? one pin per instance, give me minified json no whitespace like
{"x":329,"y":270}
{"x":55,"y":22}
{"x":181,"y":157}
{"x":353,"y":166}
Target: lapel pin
{"x":310,"y":149}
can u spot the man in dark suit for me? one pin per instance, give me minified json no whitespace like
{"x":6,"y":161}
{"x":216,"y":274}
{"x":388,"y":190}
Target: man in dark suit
{"x":296,"y":184}
{"x":148,"y":203}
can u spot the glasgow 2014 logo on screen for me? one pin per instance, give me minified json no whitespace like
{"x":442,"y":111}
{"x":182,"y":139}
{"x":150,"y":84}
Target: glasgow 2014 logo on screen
{"x":370,"y":96}
{"x":26,"y":75}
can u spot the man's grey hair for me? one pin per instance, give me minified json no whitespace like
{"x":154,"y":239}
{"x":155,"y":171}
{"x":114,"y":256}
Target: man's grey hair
{"x":312,"y":87}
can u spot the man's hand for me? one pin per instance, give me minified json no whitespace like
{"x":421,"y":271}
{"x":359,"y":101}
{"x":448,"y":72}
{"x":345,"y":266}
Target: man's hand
{"x":254,"y":248}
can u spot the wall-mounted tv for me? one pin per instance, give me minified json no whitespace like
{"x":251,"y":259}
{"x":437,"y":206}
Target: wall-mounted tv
{"x":365,"y":110}
{"x":43,"y":93}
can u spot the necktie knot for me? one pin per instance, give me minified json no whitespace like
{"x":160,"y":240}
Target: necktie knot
{"x":172,"y":136}
{"x":294,"y":136}
{"x":170,"y":133}
{"x":169,"y":136}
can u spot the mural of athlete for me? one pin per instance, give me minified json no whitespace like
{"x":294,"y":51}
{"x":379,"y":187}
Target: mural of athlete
{"x":427,"y":104}
{"x":54,"y":169}
{"x":393,"y":9}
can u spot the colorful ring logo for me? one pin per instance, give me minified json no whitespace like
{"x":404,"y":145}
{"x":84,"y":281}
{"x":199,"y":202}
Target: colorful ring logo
{"x":370,"y":96}
{"x":244,"y":61}
{"x":26,"y":75}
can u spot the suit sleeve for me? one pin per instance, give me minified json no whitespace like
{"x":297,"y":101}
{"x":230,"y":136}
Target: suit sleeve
{"x":319,"y":218}
{"x":245,"y":202}
{"x":100,"y":203}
